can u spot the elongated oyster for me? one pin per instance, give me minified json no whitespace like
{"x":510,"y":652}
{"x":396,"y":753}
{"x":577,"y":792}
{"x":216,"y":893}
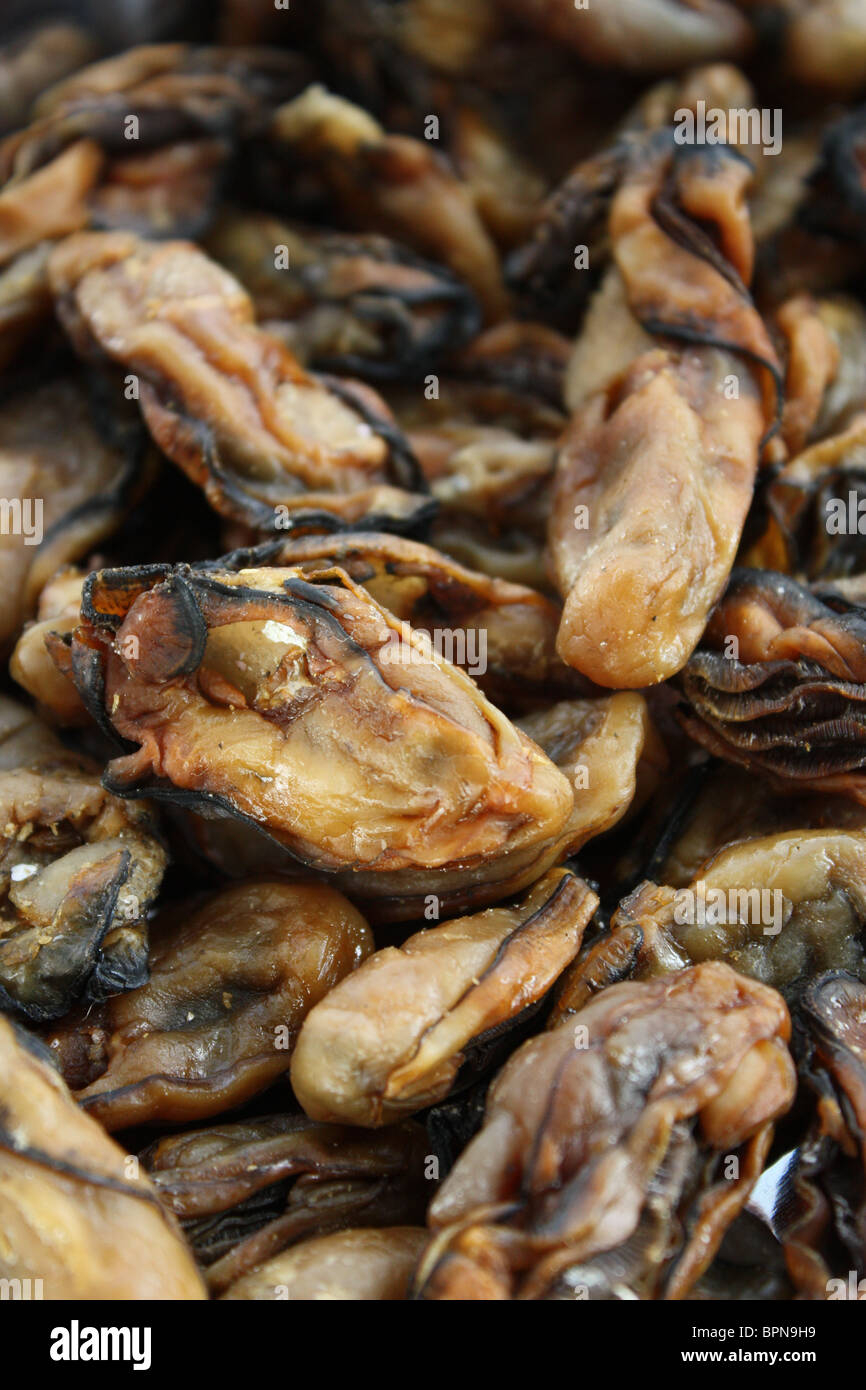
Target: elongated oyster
{"x":58,"y":613}
{"x":391,"y":1039}
{"x":225,"y":400}
{"x":66,"y":1190}
{"x":299,"y":705}
{"x":246,"y":1191}
{"x":657,"y":468}
{"x":358,"y":1265}
{"x":229,"y":985}
{"x":596,"y":1131}
{"x":778,"y":683}
{"x":79,"y":871}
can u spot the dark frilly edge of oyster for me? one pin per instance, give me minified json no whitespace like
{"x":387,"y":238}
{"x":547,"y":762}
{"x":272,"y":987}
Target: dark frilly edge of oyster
{"x":433,"y":603}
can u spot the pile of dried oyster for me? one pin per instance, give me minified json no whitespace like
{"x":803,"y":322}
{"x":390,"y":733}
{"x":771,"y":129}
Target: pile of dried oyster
{"x":433,"y":557}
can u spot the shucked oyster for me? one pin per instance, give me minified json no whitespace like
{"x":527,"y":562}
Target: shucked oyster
{"x":79,"y":871}
{"x":226,"y":401}
{"x":391,"y":1038}
{"x":599,"y":1132}
{"x":657,"y":468}
{"x":297,"y":704}
{"x":76,"y":1219}
{"x":216,"y":1022}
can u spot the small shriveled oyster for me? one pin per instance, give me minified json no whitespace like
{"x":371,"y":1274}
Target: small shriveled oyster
{"x":599,"y":1132}
{"x":246,"y":1191}
{"x":392,"y":1038}
{"x":779,"y":682}
{"x":77,"y":1219}
{"x":230,"y":983}
{"x":79,"y":871}
{"x":356,"y":1265}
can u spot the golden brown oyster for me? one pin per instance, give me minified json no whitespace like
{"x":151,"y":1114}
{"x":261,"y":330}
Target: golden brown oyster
{"x":778,"y":684}
{"x":225,"y":400}
{"x":360,"y":1266}
{"x":391,"y":1039}
{"x":67,"y":1190}
{"x":297,"y":704}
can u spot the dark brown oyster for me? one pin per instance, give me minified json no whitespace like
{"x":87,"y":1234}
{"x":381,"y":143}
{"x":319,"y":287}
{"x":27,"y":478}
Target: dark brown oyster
{"x":230,"y":983}
{"x":366,"y":754}
{"x":362,"y":305}
{"x":67,"y":1191}
{"x":246,"y":1191}
{"x":392,"y":1038}
{"x":600,"y":1170}
{"x":80,"y":871}
{"x":778,"y":684}
{"x":359,"y":1265}
{"x":70,"y":470}
{"x":825,"y":1236}
{"x":223,"y":399}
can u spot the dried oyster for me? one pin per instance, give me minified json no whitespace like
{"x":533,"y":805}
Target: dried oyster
{"x":80,"y":870}
{"x":780,"y":908}
{"x":358,"y":1265}
{"x":778,"y":682}
{"x":828,"y":1229}
{"x":655,"y":425}
{"x":593,"y":1138}
{"x":66,"y":1190}
{"x":225,"y":400}
{"x":229,"y":985}
{"x":69,"y":472}
{"x":358,"y":304}
{"x":324,"y":690}
{"x":391,"y":1038}
{"x":248,"y":1190}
